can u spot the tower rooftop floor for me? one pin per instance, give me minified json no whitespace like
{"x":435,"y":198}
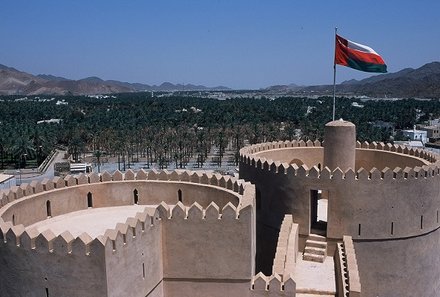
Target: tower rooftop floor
{"x":93,"y":221}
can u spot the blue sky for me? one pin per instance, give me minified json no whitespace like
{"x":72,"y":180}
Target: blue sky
{"x":236,"y":43}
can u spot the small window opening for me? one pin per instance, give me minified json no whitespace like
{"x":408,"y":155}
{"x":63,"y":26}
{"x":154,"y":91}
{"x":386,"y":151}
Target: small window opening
{"x":143,"y":270}
{"x":359,"y":230}
{"x":392,"y":228}
{"x":421,"y":222}
{"x":89,"y":200}
{"x":136,"y":196}
{"x":179,"y":195}
{"x":47,"y":292}
{"x":151,"y":221}
{"x":13,"y":220}
{"x":48,"y":209}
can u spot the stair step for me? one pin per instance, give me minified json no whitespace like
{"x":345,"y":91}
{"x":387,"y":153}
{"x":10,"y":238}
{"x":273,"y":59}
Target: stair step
{"x":317,"y":237}
{"x":314,"y":258}
{"x":316,"y":250}
{"x":314,"y":243}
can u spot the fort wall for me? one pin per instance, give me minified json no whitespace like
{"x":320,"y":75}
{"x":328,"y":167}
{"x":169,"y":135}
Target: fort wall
{"x":391,"y":203}
{"x":371,"y":204}
{"x":369,"y":159}
{"x":66,"y":196}
{"x":197,"y":244}
{"x":309,"y":156}
{"x":133,"y":255}
{"x":410,"y":265}
{"x":139,"y":256}
{"x":31,"y":264}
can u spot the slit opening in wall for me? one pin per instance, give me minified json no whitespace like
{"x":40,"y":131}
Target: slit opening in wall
{"x":143,"y":270}
{"x":48,"y":209}
{"x":13,"y":220}
{"x":359,"y":230}
{"x":135,"y":196}
{"x":392,"y":228}
{"x":319,"y":211}
{"x":89,"y":199}
{"x":47,"y":292}
{"x":179,"y":195}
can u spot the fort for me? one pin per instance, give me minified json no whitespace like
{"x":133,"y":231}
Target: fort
{"x":338,"y":218}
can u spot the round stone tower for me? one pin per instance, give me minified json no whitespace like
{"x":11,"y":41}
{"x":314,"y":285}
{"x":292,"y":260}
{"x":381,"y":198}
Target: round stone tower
{"x":340,"y":145}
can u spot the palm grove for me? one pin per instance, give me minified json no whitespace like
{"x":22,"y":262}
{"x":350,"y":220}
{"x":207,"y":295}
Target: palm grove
{"x":174,"y":129}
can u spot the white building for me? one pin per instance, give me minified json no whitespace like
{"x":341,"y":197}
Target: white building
{"x":417,"y":135}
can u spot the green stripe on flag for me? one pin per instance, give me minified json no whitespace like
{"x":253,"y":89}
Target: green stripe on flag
{"x":367,"y":67}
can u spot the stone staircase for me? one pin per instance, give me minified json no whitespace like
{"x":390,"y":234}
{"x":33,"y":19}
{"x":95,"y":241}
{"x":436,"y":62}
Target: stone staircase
{"x":315,"y":249}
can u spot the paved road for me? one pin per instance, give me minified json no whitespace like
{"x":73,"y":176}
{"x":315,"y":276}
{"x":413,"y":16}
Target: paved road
{"x":28,"y":176}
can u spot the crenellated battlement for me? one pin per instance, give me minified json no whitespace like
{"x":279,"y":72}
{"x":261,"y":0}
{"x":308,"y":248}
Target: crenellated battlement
{"x":403,"y":199}
{"x":113,"y":239}
{"x":83,"y":245}
{"x":273,"y":285}
{"x":252,"y":150}
{"x":16,"y":234}
{"x":249,"y":159}
{"x":303,"y":171}
{"x":181,"y":208}
{"x":226,"y":182}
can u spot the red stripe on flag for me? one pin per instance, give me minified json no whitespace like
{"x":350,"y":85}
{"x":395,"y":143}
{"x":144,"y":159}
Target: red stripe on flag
{"x":343,"y":53}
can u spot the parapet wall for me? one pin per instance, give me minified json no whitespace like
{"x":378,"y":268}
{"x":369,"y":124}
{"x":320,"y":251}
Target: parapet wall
{"x":178,"y":241}
{"x":34,"y":263}
{"x":209,"y":243}
{"x":27,"y":204}
{"x":272,"y":286}
{"x":375,"y":204}
{"x":368,"y":155}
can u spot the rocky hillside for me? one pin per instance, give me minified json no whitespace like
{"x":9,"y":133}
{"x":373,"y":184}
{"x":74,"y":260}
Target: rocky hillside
{"x":423,"y":82}
{"x":15,"y":82}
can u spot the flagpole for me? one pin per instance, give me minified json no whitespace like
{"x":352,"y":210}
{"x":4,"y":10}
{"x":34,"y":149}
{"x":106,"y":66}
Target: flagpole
{"x":334,"y":79}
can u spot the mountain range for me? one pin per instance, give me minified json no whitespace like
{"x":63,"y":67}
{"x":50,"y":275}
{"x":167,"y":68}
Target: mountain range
{"x":15,"y":82}
{"x":423,"y":82}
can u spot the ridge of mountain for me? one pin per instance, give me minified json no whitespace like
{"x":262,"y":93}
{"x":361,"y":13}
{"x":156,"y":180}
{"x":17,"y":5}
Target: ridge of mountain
{"x":423,"y":82}
{"x":15,"y":82}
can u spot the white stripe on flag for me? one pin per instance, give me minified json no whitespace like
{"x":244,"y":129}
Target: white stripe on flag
{"x":360,"y":47}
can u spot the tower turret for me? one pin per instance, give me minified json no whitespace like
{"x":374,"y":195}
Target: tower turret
{"x":340,"y":145}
